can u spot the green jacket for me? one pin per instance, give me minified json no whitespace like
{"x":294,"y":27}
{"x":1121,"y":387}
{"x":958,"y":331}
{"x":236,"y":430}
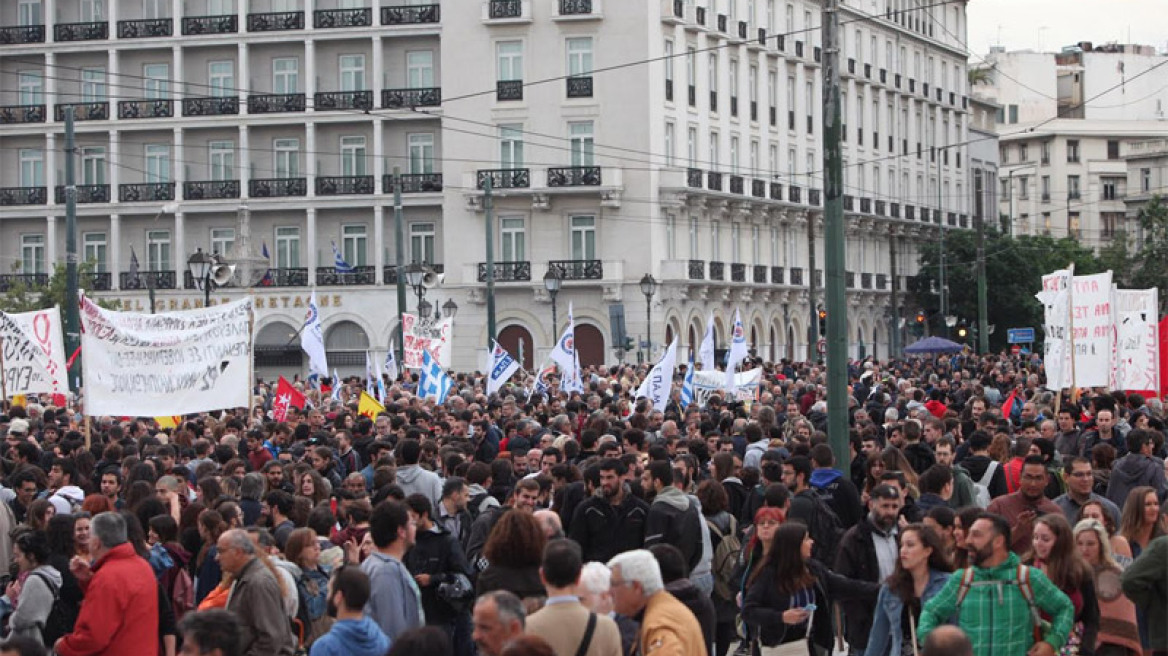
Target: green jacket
{"x":1145,"y":582}
{"x":997,"y":618}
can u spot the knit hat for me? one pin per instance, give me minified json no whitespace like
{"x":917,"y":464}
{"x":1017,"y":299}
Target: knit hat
{"x":18,"y":425}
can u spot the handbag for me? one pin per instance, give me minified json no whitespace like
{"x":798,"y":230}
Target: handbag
{"x":794,"y":648}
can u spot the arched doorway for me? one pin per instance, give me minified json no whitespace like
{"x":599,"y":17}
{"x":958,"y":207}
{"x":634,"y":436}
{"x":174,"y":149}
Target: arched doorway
{"x":589,"y":345}
{"x":668,"y":335}
{"x":790,"y":343}
{"x":771,"y":351}
{"x":693,"y":338}
{"x":277,"y":351}
{"x":345,"y":345}
{"x":518,"y":342}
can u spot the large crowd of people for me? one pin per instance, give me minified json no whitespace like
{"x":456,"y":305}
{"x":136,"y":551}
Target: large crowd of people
{"x":977,"y":514}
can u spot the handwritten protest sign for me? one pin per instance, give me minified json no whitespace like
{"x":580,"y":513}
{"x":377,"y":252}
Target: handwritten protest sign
{"x":175,"y":363}
{"x":1137,"y":340}
{"x":34,"y":353}
{"x":710,"y":382}
{"x":427,"y":335}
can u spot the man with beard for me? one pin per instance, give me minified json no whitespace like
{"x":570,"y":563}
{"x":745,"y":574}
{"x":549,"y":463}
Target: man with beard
{"x":1029,"y":503}
{"x":868,"y":552}
{"x":353,"y":634}
{"x":612,"y":520}
{"x":990,"y":604}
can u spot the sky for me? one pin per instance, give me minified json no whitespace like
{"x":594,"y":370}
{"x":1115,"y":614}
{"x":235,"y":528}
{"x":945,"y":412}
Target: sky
{"x":1052,"y":24}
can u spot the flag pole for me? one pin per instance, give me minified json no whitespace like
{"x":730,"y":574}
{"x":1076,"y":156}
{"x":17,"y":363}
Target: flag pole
{"x":1071,"y":326}
{"x":4,"y":373}
{"x":251,"y":362}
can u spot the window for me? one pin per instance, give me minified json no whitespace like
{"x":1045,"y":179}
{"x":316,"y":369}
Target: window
{"x":715,"y":241}
{"x":93,"y":165}
{"x":1072,"y":150}
{"x":92,"y":11}
{"x":511,"y":146}
{"x":691,"y":73}
{"x":353,"y":156}
{"x":32,"y":254}
{"x":31,"y":85}
{"x":580,"y":136}
{"x":29,"y":12}
{"x":155,"y":9}
{"x":580,"y":56}
{"x":421,"y":153}
{"x":514,"y":239}
{"x":95,"y":251}
{"x":157,"y":163}
{"x":32,"y":167}
{"x":1073,"y":187}
{"x":770,"y":17}
{"x":1013,"y":113}
{"x":422,"y":242}
{"x":692,"y":147}
{"x":1024,"y":187}
{"x":754,"y":169}
{"x":583,"y":237}
{"x":220,"y":7}
{"x":773,"y":160}
{"x":288,"y":248}
{"x":669,"y":146}
{"x":790,"y":18}
{"x":352,"y":69}
{"x":668,"y":69}
{"x":735,"y":242}
{"x":1145,"y":180}
{"x":713,"y":82}
{"x":694,"y":245}
{"x":1111,"y":187}
{"x":287,"y":153}
{"x":222,"y":160}
{"x":156,"y":81}
{"x":752,"y":89}
{"x":1112,"y":149}
{"x":670,"y":236}
{"x":773,"y":93}
{"x":285,"y":75}
{"x":734,"y":155}
{"x":222,"y":240}
{"x":809,"y":101}
{"x":93,"y":85}
{"x":733,"y":86}
{"x":1046,"y":187}
{"x":715,"y":146}
{"x":1073,"y":224}
{"x":420,"y":69}
{"x":790,"y":102}
{"x":158,"y":250}
{"x":510,"y":55}
{"x":354,"y":244}
{"x":1023,"y":152}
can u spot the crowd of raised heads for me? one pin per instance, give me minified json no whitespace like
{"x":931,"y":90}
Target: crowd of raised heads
{"x":973,"y":512}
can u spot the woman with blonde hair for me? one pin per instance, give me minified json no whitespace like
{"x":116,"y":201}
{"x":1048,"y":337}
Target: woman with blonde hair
{"x":1120,"y":549}
{"x":1119,"y":633}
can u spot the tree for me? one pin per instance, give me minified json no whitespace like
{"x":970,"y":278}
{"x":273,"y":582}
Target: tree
{"x":23,"y":296}
{"x":1149,"y":267}
{"x":983,"y":75}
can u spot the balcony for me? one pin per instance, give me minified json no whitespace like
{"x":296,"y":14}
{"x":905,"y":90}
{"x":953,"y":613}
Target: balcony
{"x":882,"y":281}
{"x":894,"y":210}
{"x":865,"y":205}
{"x":99,"y":193}
{"x":849,"y":203}
{"x":578,"y":269}
{"x":817,"y":277}
{"x":794,"y":194}
{"x":277,"y":187}
{"x":275,"y":21}
{"x":737,"y":272}
{"x":162,"y":108}
{"x":717,"y":271}
{"x":146,"y":28}
{"x":910,"y":213}
{"x":97,"y":31}
{"x":10,"y":280}
{"x":334,"y":100}
{"x":693,"y":178}
{"x":579,"y":86}
{"x":211,"y":190}
{"x":348,"y":185}
{"x":700,"y":15}
{"x":937,"y":217}
{"x":505,"y":9}
{"x":95,"y":282}
{"x":329,"y":18}
{"x":506,"y":271}
{"x":776,"y":191}
{"x":414,"y":183}
{"x":411,"y":14}
{"x":147,"y":280}
{"x":799,"y":49}
{"x":91,"y":111}
{"x":574,"y":176}
{"x":575,"y":7}
{"x":398,"y":98}
{"x":881,"y":207}
{"x":737,"y":184}
{"x":776,"y":275}
{"x":758,"y":188}
{"x":696,"y":269}
{"x":814,"y":197}
{"x":17,"y":34}
{"x":22,"y":114}
{"x":796,"y":276}
{"x":217,"y":106}
{"x":504,"y":178}
{"x":198,"y":25}
{"x":24,"y":196}
{"x":290,"y":277}
{"x":866,"y":281}
{"x":849,"y":279}
{"x":145,"y":191}
{"x":951,"y":218}
{"x":714,"y":181}
{"x":721,"y":22}
{"x":361,"y":275}
{"x":509,"y":90}
{"x":276,"y":103}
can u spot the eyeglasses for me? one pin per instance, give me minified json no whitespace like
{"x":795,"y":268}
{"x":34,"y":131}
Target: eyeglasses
{"x":1081,"y":474}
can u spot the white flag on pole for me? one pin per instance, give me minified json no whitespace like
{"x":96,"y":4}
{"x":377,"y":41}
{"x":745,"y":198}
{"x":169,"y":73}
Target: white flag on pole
{"x":391,"y":363}
{"x":659,"y":383}
{"x":312,"y":341}
{"x":564,"y":355}
{"x":706,"y":351}
{"x":503,"y":366}
{"x":738,"y":351}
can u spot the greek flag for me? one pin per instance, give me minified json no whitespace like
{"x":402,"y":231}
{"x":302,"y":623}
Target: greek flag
{"x":267,"y":279}
{"x":434,"y":383}
{"x":339,"y":263}
{"x":687,"y":387}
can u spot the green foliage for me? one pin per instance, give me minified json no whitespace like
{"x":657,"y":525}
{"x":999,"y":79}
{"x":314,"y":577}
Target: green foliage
{"x":1150,"y":268}
{"x":21,"y":296}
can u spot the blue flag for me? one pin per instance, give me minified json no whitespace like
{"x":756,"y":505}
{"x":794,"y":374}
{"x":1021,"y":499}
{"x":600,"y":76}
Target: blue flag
{"x":687,"y":387}
{"x":339,"y":262}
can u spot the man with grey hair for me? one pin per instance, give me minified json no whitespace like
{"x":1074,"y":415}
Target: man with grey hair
{"x":499,"y":616}
{"x":255,"y":597}
{"x":119,"y":614}
{"x":667,"y":626}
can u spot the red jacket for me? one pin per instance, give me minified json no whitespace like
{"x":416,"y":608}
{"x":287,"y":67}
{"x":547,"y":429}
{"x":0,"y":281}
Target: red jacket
{"x":119,"y":614}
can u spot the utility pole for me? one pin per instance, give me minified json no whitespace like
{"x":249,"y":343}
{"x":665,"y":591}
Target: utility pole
{"x":944,"y":252}
{"x":833,"y":243}
{"x":894,"y":330}
{"x":72,"y":302}
{"x":400,"y":239}
{"x":812,"y":327}
{"x":983,"y":332}
{"x":489,"y":210}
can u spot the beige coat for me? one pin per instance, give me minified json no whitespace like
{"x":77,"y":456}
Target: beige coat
{"x":562,"y":625}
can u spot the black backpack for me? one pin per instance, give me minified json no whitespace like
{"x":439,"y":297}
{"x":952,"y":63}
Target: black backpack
{"x":825,"y":529}
{"x":60,"y":621}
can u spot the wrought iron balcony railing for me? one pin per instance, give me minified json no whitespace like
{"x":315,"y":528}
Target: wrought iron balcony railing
{"x":776,"y":191}
{"x":866,"y":281}
{"x":813,"y":197}
{"x":573,"y":176}
{"x":211,"y":190}
{"x":145,"y":28}
{"x":509,"y":90}
{"x":24,"y":195}
{"x":96,"y":281}
{"x":506,"y":271}
{"x":504,"y":178}
{"x":211,"y":106}
{"x":275,"y":21}
{"x":575,"y":7}
{"x":22,"y":114}
{"x":335,"y":185}
{"x":713,"y":181}
{"x":224,"y":24}
{"x":330,"y":100}
{"x":797,"y":276}
{"x":758,"y":188}
{"x":411,"y":14}
{"x":737,"y":272}
{"x":288,"y":277}
{"x":717,"y":270}
{"x":329,"y":18}
{"x":696,"y":269}
{"x":579,"y":86}
{"x":737,"y":184}
{"x":97,"y":31}
{"x":397,"y":98}
{"x":16,"y":34}
{"x":145,"y":191}
{"x":277,"y":187}
{"x":274,"y":103}
{"x":414,"y":183}
{"x":90,"y":111}
{"x":693,"y":178}
{"x":776,"y":275}
{"x":578,"y":269}
{"x":147,"y":280}
{"x":505,"y":9}
{"x":361,"y":275}
{"x":160,"y":108}
{"x":794,"y":194}
{"x":98,"y":193}
{"x":759,"y":274}
{"x":10,"y":280}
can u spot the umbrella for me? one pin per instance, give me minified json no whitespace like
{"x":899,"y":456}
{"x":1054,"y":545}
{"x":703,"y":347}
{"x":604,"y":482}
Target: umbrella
{"x":933,"y":345}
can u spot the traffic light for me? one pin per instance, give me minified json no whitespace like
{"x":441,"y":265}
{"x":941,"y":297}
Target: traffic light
{"x":630,"y":345}
{"x":919,"y":326}
{"x":962,"y":331}
{"x":822,"y":321}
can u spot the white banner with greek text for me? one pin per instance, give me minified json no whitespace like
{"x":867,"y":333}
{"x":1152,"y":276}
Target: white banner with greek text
{"x":33,"y":353}
{"x":427,"y":335}
{"x":708,"y":382}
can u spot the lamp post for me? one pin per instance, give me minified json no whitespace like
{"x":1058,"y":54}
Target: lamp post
{"x":552,"y":281}
{"x":649,"y":288}
{"x":424,"y":309}
{"x":415,"y":273}
{"x":200,"y":265}
{"x":449,"y":309}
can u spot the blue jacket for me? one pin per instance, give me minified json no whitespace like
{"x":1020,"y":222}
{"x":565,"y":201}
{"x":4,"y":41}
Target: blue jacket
{"x":352,"y":638}
{"x":886,"y":629}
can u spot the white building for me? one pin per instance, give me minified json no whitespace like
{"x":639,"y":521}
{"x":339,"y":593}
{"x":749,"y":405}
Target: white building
{"x":1147,"y":176}
{"x":673,"y":138}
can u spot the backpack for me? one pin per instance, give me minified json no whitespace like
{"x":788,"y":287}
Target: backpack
{"x":60,"y":621}
{"x":182,"y":593}
{"x":1022,"y":580}
{"x":981,"y":487}
{"x":825,"y":529}
{"x":725,"y":562}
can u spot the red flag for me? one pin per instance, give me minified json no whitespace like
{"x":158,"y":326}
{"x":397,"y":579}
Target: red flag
{"x":1008,"y":404}
{"x":1163,"y":356}
{"x":286,"y":396}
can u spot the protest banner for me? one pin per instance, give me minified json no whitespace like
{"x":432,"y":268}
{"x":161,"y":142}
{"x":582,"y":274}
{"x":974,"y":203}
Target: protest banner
{"x":32,"y":353}
{"x":706,"y":383}
{"x":174,"y":363}
{"x":427,"y":335}
{"x":1055,"y":296}
{"x":1137,"y":341}
{"x":1093,"y":329}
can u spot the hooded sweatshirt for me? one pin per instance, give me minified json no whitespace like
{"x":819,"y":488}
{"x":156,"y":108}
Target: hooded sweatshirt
{"x":35,"y":602}
{"x":840,"y":494}
{"x":673,"y":519}
{"x":352,"y":638}
{"x":413,"y":479}
{"x":1132,"y":471}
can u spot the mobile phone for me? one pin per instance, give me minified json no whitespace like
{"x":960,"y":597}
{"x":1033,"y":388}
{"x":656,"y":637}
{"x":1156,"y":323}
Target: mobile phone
{"x":810,"y":608}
